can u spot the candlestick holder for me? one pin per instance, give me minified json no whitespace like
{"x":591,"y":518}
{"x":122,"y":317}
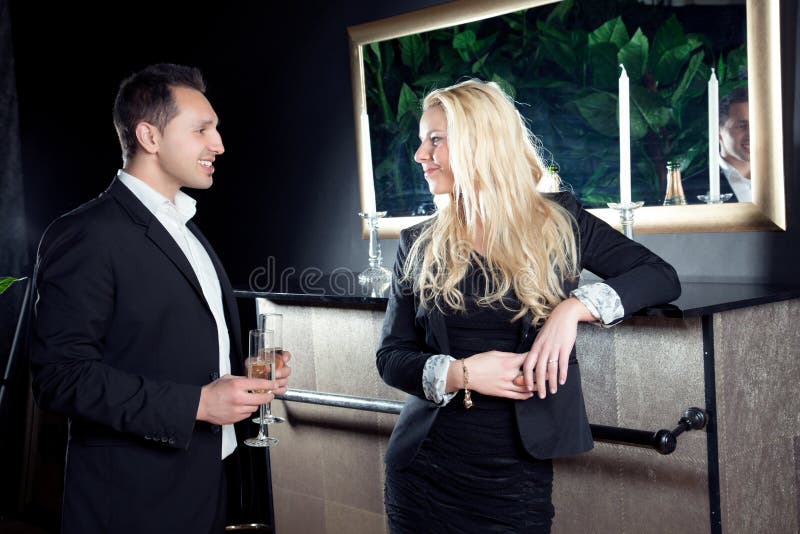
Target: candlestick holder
{"x":724,"y":197}
{"x":625,"y":210}
{"x":375,"y":274}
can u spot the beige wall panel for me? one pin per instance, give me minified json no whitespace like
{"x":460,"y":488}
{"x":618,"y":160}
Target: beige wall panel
{"x":641,"y":374}
{"x":758,"y":403}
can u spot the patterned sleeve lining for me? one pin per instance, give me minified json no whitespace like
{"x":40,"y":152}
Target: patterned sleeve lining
{"x":602,"y":302}
{"x":434,"y":379}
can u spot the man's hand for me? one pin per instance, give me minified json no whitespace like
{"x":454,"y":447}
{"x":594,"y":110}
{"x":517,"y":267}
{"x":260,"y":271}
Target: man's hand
{"x":232,"y":398}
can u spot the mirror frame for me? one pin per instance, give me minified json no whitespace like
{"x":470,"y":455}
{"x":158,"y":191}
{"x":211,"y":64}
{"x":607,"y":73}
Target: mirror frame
{"x":766,"y":212}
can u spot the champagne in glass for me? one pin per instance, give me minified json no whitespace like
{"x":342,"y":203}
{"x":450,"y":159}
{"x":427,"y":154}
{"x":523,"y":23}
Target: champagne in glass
{"x":272,"y":322}
{"x":261,"y":364}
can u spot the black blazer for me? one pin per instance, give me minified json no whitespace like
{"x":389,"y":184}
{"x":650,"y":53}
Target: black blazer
{"x":122,"y":341}
{"x":549,"y":428}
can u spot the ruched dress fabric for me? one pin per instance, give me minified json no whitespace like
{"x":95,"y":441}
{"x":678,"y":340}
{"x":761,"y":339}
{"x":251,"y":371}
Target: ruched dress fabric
{"x":472,"y":474}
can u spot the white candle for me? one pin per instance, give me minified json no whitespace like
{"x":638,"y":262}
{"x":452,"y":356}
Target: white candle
{"x":624,"y":139}
{"x":713,"y":137}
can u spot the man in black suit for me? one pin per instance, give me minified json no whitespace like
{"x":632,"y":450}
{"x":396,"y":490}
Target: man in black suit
{"x":734,"y":143}
{"x":734,"y":152}
{"x":136,"y":331}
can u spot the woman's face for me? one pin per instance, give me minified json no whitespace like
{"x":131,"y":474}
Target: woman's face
{"x":432,"y":153}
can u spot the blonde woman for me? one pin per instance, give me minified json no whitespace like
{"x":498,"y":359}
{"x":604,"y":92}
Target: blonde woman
{"x":481,"y":324}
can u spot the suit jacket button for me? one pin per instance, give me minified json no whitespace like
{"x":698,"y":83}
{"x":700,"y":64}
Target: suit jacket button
{"x":172,"y":441}
{"x":214,"y":375}
{"x":215,"y":429}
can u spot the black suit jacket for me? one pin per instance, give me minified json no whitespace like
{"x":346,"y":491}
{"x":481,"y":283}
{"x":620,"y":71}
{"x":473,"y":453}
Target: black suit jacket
{"x":549,"y":428}
{"x":122,"y":341}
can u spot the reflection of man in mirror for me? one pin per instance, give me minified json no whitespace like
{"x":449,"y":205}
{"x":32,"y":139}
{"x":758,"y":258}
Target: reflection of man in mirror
{"x":734,"y":144}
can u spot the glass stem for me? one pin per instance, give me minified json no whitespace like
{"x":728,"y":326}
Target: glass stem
{"x":374,"y":244}
{"x":262,"y":427}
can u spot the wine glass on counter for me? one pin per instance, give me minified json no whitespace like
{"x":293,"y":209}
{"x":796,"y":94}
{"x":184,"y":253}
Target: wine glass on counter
{"x":261,"y":364}
{"x":272,"y":322}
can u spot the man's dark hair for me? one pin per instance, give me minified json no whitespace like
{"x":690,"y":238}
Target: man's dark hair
{"x":736,"y":96}
{"x":147,"y":96}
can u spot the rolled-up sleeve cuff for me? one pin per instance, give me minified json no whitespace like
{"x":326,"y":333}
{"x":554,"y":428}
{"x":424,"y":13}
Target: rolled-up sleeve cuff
{"x":434,"y":379}
{"x":602,"y":302}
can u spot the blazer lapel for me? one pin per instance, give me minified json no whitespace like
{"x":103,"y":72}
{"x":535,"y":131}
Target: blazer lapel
{"x":228,"y":299}
{"x":164,"y":241}
{"x":438,"y":328}
{"x":156,"y":233}
{"x":159,"y":235}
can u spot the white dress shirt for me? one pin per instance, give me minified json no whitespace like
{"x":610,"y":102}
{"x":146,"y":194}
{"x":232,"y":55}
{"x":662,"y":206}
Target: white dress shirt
{"x":740,"y":185}
{"x":174,"y":218}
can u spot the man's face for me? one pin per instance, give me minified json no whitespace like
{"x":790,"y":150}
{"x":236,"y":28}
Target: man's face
{"x":190,"y":141}
{"x":734,"y":134}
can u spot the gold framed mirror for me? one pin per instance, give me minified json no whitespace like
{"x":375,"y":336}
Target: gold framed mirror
{"x":767,"y":211}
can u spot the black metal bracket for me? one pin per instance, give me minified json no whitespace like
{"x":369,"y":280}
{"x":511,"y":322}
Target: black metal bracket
{"x":664,"y":441}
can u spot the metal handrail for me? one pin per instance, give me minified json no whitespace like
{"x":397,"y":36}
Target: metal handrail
{"x":664,"y":441}
{"x":342,"y":401}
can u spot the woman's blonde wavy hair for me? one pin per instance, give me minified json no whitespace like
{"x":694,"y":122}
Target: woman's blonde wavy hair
{"x":529,"y":242}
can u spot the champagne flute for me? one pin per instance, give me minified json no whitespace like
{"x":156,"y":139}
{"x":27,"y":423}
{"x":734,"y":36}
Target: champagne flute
{"x":261,"y":364}
{"x":273,"y":322}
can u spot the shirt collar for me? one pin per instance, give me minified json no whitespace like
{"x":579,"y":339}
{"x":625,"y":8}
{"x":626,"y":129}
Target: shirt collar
{"x":183,"y":209}
{"x":740,"y":185}
{"x":731,"y":173}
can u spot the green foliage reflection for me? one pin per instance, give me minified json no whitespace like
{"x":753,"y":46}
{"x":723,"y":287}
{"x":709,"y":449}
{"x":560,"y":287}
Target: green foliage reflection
{"x":561,"y":63}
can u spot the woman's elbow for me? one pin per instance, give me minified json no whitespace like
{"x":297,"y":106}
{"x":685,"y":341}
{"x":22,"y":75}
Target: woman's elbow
{"x":673,"y":285}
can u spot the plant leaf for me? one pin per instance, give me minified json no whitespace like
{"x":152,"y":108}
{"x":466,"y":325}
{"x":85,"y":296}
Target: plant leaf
{"x":686,"y":79}
{"x":648,"y":111}
{"x":505,"y":85}
{"x":737,"y":63}
{"x":634,"y":54}
{"x":670,"y":35}
{"x":413,"y":51}
{"x":603,"y":62}
{"x":432,"y":80}
{"x":560,"y":12}
{"x":559,"y":48}
{"x":408,"y":101}
{"x":613,"y":31}
{"x":464,"y":44}
{"x":478,"y":65}
{"x":599,"y":110}
{"x":376,"y":50}
{"x":6,"y":281}
{"x":670,"y":64}
{"x":720,"y":69}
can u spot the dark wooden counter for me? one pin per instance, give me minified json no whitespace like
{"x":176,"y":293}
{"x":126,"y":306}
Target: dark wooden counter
{"x":697,"y":299}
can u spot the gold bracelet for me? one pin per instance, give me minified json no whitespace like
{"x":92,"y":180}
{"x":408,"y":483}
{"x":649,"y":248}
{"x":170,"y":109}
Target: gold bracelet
{"x":467,"y":393}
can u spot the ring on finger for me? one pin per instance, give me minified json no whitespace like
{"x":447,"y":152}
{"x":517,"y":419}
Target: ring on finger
{"x":552,"y":361}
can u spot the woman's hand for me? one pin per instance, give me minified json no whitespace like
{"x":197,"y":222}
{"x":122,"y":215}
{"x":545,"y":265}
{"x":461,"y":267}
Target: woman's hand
{"x":548,"y":358}
{"x":490,"y":373}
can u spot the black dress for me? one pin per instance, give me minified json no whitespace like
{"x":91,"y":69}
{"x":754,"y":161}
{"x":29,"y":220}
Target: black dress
{"x":472,"y":473}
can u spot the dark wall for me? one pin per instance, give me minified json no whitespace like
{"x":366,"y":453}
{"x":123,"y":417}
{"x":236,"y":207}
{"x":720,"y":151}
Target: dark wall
{"x":279,"y":77}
